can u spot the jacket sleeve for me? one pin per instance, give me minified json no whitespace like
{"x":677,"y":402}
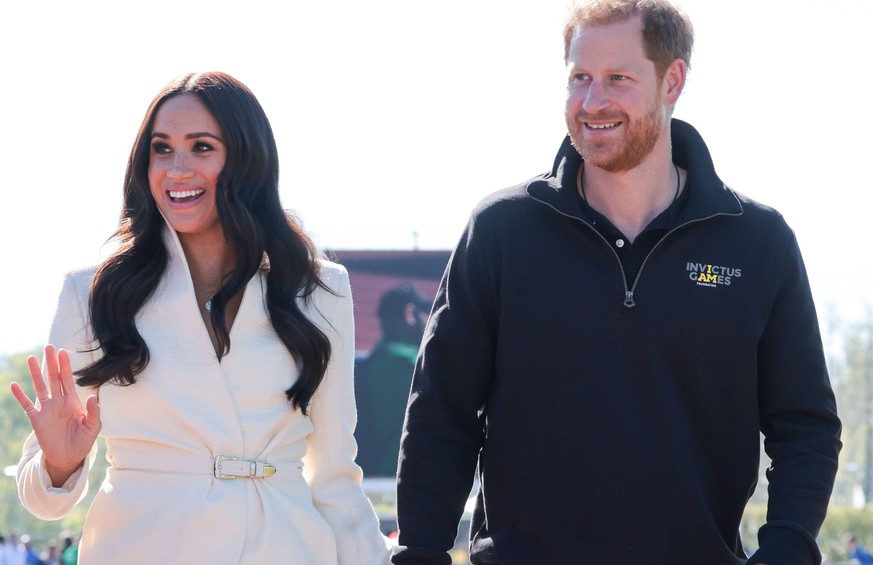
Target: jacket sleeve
{"x":444,"y":430}
{"x":329,"y":464}
{"x":69,"y":331}
{"x":799,"y":421}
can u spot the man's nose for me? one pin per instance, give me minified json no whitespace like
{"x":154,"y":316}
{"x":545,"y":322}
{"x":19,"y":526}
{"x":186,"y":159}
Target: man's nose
{"x":596,"y":99}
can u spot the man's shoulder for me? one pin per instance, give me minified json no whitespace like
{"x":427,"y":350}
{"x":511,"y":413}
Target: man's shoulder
{"x":507,"y":200}
{"x":759,"y":213}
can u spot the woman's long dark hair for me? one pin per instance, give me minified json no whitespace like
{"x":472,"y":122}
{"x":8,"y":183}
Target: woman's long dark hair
{"x":254,"y":223}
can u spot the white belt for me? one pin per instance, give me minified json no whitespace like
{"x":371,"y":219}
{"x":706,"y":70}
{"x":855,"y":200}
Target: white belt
{"x":225,"y":467}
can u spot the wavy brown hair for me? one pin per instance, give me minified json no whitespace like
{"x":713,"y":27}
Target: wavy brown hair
{"x":254,"y":223}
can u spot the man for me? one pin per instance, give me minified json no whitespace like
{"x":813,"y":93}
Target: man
{"x":30,"y":554}
{"x":857,"y":552}
{"x":610,"y":339}
{"x":70,"y":553}
{"x":14,"y":553}
{"x":382,"y":379}
{"x":54,"y":555}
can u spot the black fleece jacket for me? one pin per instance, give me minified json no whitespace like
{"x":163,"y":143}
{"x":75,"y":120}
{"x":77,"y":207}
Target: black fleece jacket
{"x":618,"y":423}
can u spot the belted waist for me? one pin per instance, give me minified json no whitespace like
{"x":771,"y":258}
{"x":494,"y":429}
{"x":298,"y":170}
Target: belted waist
{"x":225,"y":467}
{"x":221,"y":466}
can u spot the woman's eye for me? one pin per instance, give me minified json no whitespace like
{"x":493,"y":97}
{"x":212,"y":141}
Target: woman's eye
{"x":160,"y":148}
{"x":201,"y":146}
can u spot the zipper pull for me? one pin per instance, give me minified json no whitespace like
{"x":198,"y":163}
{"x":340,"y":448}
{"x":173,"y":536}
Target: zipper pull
{"x":629,"y":299}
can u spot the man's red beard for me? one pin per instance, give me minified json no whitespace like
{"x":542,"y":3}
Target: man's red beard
{"x":621,"y":153}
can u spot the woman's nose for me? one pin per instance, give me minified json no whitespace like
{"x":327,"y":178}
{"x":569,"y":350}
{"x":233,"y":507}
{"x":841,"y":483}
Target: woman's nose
{"x":180,"y":167}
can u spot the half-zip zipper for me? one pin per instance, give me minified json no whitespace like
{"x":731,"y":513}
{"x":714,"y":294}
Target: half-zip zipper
{"x":629,"y":301}
{"x":629,"y":294}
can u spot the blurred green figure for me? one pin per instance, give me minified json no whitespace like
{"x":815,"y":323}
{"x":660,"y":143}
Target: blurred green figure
{"x":382,"y":380}
{"x":70,"y":554}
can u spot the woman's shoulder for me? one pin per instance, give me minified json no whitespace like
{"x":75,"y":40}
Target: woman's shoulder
{"x":81,"y":278}
{"x":332,"y":274}
{"x":82,"y":273}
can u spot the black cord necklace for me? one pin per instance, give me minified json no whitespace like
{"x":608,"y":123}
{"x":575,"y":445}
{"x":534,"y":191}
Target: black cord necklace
{"x":678,"y":182}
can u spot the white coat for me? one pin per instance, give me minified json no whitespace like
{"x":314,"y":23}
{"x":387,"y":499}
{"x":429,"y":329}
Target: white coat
{"x":159,"y":498}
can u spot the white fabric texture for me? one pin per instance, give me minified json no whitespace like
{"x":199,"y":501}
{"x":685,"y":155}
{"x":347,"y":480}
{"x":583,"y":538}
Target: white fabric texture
{"x":159,"y":497}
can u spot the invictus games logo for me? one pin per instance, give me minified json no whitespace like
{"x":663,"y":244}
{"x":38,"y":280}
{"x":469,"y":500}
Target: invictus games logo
{"x":705,"y":274}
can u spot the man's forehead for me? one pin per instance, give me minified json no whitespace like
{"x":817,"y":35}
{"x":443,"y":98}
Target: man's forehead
{"x":621,"y":39}
{"x":593,"y":25}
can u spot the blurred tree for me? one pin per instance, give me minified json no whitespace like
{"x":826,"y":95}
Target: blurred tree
{"x":854,"y":389}
{"x":14,"y":428}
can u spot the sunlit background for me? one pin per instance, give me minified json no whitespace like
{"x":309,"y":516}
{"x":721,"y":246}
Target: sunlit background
{"x":393,"y":118}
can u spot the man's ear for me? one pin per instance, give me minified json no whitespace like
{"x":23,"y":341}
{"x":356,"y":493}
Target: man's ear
{"x":674,"y":81}
{"x":409,"y":315}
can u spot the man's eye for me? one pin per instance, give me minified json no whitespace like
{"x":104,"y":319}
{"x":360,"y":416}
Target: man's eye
{"x":619,"y":77}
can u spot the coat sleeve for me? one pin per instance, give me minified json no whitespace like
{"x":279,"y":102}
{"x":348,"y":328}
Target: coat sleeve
{"x":799,"y":421}
{"x":444,"y":430}
{"x":329,"y":464}
{"x":69,"y":331}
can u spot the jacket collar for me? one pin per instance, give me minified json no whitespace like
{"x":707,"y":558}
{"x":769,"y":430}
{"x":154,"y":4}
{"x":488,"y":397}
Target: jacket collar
{"x":176,"y":253}
{"x":708,"y":195}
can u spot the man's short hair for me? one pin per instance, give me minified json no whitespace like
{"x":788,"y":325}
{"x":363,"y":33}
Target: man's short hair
{"x":667,"y":32}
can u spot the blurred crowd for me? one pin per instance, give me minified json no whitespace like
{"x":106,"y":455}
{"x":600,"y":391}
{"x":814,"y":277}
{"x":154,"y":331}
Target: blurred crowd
{"x":19,"y":550}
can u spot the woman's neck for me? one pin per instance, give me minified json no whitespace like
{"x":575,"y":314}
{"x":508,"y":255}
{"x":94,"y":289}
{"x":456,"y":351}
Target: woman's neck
{"x":209,"y":260}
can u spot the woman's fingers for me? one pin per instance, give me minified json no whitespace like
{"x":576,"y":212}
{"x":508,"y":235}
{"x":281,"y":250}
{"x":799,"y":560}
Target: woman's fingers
{"x":58,"y":371}
{"x":36,"y":378}
{"x":50,"y":364}
{"x":22,"y":398}
{"x":92,"y":418}
{"x":58,"y":374}
{"x":66,"y":372}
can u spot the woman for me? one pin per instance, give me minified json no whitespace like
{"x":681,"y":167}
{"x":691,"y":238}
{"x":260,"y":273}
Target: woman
{"x":213,"y":351}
